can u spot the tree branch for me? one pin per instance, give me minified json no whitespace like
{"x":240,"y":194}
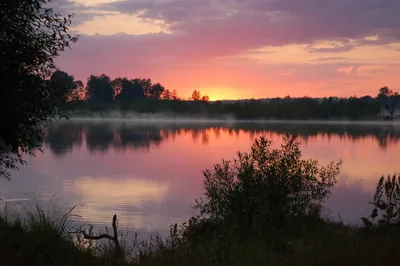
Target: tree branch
{"x":99,"y":237}
{"x":114,"y":238}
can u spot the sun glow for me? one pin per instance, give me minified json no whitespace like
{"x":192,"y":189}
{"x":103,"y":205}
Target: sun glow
{"x":223,"y":93}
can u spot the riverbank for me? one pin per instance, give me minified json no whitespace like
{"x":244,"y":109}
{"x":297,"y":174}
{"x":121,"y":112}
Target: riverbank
{"x":309,"y":241}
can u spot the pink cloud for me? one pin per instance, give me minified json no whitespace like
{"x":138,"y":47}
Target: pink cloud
{"x":203,"y":31}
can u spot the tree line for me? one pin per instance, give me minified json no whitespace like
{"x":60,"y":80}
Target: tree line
{"x":143,"y":96}
{"x":102,"y":89}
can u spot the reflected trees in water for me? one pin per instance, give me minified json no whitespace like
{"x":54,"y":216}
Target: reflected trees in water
{"x":61,"y":138}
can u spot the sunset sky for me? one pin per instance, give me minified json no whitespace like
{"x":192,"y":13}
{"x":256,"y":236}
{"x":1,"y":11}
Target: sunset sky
{"x":233,"y":49}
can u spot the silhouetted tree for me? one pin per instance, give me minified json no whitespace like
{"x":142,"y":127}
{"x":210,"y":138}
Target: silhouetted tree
{"x":31,"y":37}
{"x":170,"y":95}
{"x":99,"y":89}
{"x":156,"y":91}
{"x":117,"y":86}
{"x":146,"y":85}
{"x":130,"y":90}
{"x":174,"y":95}
{"x":195,"y":96}
{"x":78,"y":92}
{"x":167,"y":95}
{"x":388,"y":100}
{"x":205,"y":98}
{"x":65,"y":85}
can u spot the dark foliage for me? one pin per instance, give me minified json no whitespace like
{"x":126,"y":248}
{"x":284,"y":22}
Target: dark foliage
{"x":99,"y":89}
{"x":389,"y":101}
{"x":364,"y":108}
{"x":266,"y":186}
{"x":141,"y":95}
{"x":66,"y":87}
{"x":386,"y":203}
{"x":131,"y":90}
{"x":31,"y":37}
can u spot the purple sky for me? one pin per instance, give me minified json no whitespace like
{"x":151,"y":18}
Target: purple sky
{"x":236,"y":49}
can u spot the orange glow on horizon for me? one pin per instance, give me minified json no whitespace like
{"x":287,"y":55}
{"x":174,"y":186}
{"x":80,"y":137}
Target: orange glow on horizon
{"x":221,"y":93}
{"x":248,"y":79}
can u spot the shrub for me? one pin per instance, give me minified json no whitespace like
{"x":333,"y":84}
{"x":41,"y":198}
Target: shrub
{"x":266,"y":186}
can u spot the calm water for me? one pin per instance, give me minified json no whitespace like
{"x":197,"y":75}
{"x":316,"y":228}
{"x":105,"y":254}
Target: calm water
{"x":149,"y":175}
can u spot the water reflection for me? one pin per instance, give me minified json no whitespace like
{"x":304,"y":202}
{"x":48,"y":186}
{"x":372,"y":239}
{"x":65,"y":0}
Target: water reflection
{"x":100,"y":137}
{"x":150,"y":174}
{"x":125,"y":195}
{"x":63,"y":137}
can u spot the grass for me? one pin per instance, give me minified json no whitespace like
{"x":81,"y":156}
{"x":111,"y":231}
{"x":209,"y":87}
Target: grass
{"x":42,"y":239}
{"x":307,"y":242}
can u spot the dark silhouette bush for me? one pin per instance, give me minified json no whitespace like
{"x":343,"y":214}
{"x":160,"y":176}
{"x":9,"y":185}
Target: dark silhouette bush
{"x":266,"y":186}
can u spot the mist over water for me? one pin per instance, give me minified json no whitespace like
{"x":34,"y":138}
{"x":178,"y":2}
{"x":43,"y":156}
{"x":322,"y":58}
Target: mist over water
{"x":161,"y":118}
{"x":149,"y":170}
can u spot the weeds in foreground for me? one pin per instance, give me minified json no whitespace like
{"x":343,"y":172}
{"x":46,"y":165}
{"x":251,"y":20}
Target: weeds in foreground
{"x":39,"y":239}
{"x":386,"y":203}
{"x":41,"y":221}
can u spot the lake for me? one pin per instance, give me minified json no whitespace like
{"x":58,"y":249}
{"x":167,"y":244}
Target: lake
{"x":150,"y":173}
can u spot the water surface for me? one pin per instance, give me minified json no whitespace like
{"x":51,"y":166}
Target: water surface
{"x":150,"y":173}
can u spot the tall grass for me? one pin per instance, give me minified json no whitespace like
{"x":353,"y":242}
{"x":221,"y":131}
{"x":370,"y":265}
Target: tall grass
{"x":43,"y":238}
{"x":42,"y":221}
{"x":40,"y":237}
